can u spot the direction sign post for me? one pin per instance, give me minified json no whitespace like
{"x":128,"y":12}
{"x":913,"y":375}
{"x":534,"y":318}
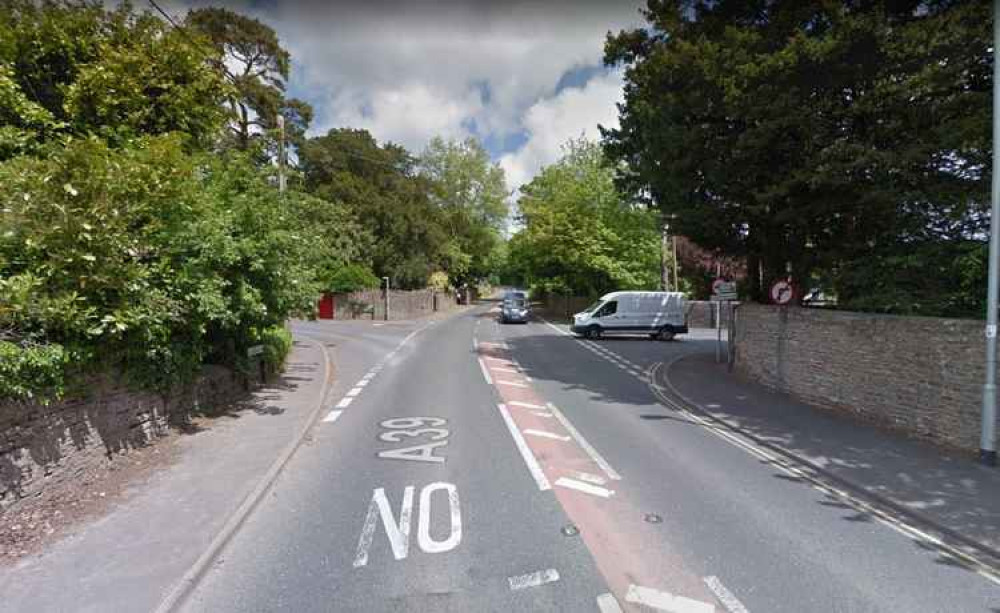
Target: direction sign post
{"x":782,"y":292}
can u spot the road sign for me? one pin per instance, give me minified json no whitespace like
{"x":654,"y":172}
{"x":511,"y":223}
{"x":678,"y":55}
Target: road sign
{"x":782,"y":292}
{"x":724,"y":297}
{"x":722,"y":286}
{"x":255,"y":350}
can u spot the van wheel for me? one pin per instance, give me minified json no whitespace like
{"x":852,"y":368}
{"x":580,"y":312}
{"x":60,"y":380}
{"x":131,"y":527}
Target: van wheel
{"x":593,"y":333}
{"x":665,"y":334}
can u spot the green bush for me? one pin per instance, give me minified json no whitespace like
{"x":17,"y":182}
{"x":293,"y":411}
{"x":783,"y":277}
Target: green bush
{"x":352,"y":278}
{"x":33,"y":372}
{"x":277,"y":343}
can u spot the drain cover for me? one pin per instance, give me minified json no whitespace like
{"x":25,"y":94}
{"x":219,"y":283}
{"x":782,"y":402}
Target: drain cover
{"x":570,"y":530}
{"x":652,"y":518}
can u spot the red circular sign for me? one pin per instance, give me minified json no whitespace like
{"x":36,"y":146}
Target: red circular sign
{"x":782,"y":292}
{"x":715,"y":284}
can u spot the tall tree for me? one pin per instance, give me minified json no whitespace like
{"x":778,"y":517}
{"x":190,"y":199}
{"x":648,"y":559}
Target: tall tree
{"x":471,"y":192}
{"x":580,"y":235}
{"x":808,"y":133}
{"x":257,"y":66}
{"x":380,"y":186}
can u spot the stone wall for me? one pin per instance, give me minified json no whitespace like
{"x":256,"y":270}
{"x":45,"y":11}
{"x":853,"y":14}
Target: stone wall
{"x":921,"y":375}
{"x":402,"y":304}
{"x":44,"y":445}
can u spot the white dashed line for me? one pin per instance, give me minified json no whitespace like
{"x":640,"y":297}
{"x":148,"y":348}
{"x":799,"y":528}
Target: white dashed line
{"x":526,"y":405}
{"x":544,"y":434}
{"x":586,"y":488}
{"x":534,"y":579}
{"x":732,"y":604}
{"x":344,"y":403}
{"x":332,"y":417}
{"x":362,"y":383}
{"x":511,"y":383}
{"x":545,"y":415}
{"x":354,"y":391}
{"x":526,"y":454}
{"x":608,"y":604}
{"x":589,"y":478}
{"x":486,"y":372}
{"x":665,"y":601}
{"x":475,"y":343}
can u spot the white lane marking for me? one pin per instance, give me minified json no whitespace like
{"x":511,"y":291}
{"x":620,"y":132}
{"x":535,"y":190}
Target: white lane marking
{"x":486,"y":372}
{"x":587,"y":447}
{"x":608,"y":604}
{"x":526,"y":454}
{"x":362,"y":383}
{"x":344,"y":403}
{"x":665,"y":601}
{"x":589,"y":478}
{"x":354,"y":391}
{"x":622,"y":366}
{"x":526,"y":405}
{"x":544,"y":434}
{"x":502,"y":369}
{"x":545,"y":415}
{"x":555,"y":327}
{"x":504,"y":360}
{"x":427,"y":544}
{"x":586,"y":488}
{"x":732,"y":604}
{"x":539,"y":577}
{"x":475,"y":343}
{"x":399,"y":534}
{"x":502,"y":345}
{"x":511,"y":383}
{"x":332,"y":417}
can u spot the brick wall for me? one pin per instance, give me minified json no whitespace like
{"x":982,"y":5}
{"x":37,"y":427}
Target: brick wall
{"x":43,"y":445}
{"x":921,"y":375}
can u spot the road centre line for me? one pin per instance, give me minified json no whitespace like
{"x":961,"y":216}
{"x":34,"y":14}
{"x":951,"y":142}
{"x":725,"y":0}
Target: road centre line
{"x":732,"y":604}
{"x":345,"y":402}
{"x":529,"y":458}
{"x":475,"y":343}
{"x":354,"y":391}
{"x":589,"y":478}
{"x":526,"y":405}
{"x":539,"y":577}
{"x":362,"y":382}
{"x":545,"y":415}
{"x":486,"y":372}
{"x":586,"y":488}
{"x":332,"y":416}
{"x":544,"y":434}
{"x":584,"y":443}
{"x":665,"y":601}
{"x":607,"y":603}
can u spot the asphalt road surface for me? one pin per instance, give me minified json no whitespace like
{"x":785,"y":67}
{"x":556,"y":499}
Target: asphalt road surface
{"x":468,"y":466}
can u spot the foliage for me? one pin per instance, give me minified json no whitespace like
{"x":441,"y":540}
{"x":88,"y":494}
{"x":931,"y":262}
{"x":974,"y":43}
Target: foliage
{"x":352,"y":278}
{"x":72,"y":68}
{"x":471,"y":192}
{"x":147,"y":257}
{"x":256,"y":66}
{"x":277,"y":342}
{"x":439,"y":281}
{"x":579,"y":234}
{"x":31,"y":372}
{"x":812,"y":133}
{"x":378,"y":184}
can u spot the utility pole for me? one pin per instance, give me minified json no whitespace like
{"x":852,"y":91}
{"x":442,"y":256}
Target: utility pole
{"x":281,"y":154}
{"x":987,"y":440}
{"x":677,"y":278}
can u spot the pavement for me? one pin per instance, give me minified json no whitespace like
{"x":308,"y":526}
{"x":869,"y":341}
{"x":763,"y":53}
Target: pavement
{"x":461,"y":465}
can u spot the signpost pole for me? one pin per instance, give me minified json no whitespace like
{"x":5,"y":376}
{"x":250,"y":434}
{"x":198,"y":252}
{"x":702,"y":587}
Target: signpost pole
{"x":987,"y":441}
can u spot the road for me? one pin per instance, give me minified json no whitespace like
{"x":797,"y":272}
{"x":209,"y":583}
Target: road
{"x":467,"y":466}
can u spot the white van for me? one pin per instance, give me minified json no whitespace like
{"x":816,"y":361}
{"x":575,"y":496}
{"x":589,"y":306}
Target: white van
{"x":659,"y":314}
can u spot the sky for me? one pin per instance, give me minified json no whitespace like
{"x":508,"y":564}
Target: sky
{"x":522,"y":76}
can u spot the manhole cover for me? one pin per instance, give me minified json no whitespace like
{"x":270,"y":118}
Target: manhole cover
{"x":570,"y":530}
{"x":652,"y":518}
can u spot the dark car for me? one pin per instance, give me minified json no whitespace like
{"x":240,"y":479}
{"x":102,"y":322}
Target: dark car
{"x":514,"y":310}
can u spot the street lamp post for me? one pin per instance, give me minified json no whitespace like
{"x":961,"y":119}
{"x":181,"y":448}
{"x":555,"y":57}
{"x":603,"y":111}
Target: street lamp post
{"x":987,"y":441}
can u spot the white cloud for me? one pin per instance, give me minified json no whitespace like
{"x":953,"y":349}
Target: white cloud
{"x":551,"y":122}
{"x":410,"y":69}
